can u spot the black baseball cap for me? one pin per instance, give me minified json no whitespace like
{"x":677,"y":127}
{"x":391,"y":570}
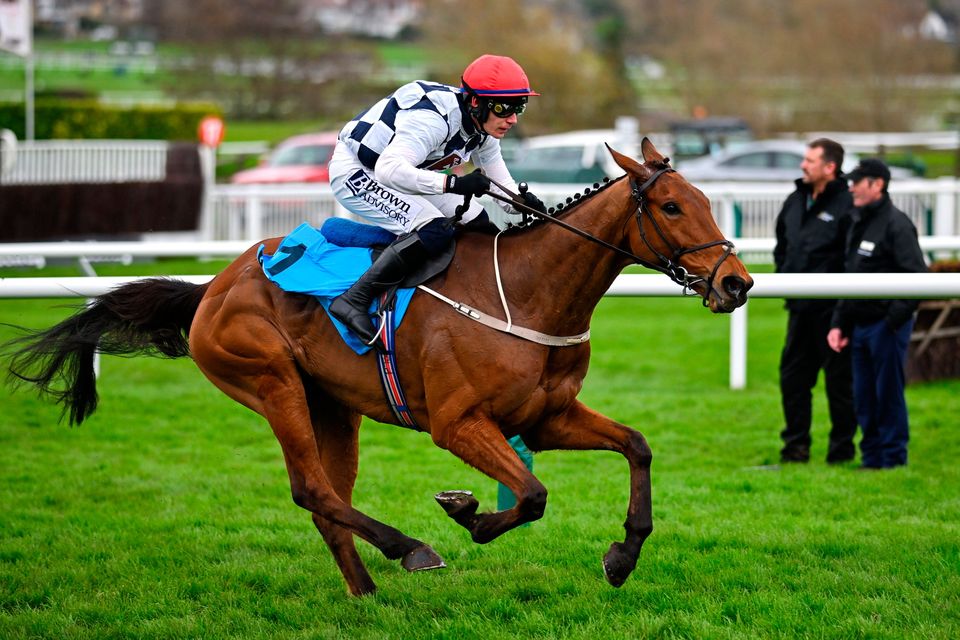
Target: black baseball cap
{"x":869,"y":168}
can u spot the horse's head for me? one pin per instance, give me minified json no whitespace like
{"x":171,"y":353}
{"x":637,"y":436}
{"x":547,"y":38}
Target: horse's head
{"x":675,"y":232}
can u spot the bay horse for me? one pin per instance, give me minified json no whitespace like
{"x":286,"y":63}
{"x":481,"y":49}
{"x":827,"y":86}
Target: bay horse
{"x":469,"y":386}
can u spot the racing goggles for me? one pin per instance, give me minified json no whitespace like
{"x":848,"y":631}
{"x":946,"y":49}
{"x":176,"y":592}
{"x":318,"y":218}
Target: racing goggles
{"x":507,"y":109}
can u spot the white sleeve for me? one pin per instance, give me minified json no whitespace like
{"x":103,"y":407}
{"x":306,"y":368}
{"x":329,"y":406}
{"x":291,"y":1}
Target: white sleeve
{"x":418,"y":133}
{"x":489,"y":158}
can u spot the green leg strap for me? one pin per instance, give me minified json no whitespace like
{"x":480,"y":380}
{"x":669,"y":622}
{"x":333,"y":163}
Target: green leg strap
{"x":505,"y":498}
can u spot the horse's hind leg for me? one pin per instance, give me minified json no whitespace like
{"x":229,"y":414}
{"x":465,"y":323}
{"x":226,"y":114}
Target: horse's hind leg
{"x":581,"y":428}
{"x":268,"y":382}
{"x":285,"y":407}
{"x":337,"y":431}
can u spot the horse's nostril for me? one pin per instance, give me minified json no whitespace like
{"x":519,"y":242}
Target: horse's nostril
{"x":733,"y":285}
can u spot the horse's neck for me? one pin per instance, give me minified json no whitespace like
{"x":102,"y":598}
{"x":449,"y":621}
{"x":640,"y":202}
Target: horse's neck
{"x":551,"y":271}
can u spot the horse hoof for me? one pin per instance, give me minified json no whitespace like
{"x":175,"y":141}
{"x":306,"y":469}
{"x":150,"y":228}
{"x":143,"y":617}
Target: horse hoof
{"x":618,"y":565}
{"x":423,"y":558}
{"x":458,"y":504}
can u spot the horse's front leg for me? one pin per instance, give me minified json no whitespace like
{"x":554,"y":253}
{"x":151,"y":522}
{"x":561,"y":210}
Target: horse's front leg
{"x":581,"y":428}
{"x":479,"y":443}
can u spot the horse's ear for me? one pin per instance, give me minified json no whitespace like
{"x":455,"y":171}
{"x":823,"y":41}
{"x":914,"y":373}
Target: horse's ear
{"x":650,"y":153}
{"x":627,"y":163}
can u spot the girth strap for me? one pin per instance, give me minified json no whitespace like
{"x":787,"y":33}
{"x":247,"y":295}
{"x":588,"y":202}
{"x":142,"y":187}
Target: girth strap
{"x":387,"y":364}
{"x":500,"y":325}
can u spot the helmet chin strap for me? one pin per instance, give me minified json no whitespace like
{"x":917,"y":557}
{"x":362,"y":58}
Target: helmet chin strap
{"x":475,"y":110}
{"x":478,"y":124}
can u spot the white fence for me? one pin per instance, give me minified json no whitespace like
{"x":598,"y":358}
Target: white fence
{"x":749,"y":210}
{"x":65,"y":161}
{"x":767,"y":285}
{"x":35,"y":252}
{"x":254,"y":212}
{"x":742,"y":210}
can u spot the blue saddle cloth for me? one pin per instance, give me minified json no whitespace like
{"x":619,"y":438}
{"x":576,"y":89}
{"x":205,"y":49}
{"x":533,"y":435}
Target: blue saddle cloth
{"x":308,"y":261}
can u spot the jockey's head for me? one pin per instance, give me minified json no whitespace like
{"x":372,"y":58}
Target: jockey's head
{"x":496,"y":90}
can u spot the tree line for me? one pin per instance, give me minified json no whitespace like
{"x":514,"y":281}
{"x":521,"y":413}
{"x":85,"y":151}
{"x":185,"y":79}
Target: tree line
{"x":781,"y":64}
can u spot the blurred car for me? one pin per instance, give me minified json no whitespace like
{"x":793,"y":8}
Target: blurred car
{"x":575,"y":157}
{"x":703,"y":136}
{"x":302,"y":158}
{"x":761,"y":161}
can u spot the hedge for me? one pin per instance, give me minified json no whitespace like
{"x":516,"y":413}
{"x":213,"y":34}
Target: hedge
{"x":80,"y":119}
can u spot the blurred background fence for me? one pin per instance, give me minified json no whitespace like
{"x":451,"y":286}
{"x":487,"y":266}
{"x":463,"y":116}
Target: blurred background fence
{"x":104,"y":188}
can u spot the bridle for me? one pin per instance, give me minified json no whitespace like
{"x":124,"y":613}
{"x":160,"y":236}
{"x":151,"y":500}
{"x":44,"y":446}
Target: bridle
{"x":669,"y":265}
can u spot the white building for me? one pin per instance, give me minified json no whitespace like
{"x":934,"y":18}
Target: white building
{"x":937,"y":26}
{"x":377,"y":18}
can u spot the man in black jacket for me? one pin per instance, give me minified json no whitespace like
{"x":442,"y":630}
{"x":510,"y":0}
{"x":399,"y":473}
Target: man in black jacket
{"x":811,"y":229}
{"x":882,"y":240}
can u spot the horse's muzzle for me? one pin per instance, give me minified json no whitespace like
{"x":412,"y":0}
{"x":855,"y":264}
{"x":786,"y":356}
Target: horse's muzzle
{"x":731,"y":294}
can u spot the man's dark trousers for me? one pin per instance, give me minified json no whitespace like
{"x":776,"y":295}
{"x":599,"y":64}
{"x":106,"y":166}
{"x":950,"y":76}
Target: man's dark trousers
{"x":805,"y":352}
{"x":879,"y":356}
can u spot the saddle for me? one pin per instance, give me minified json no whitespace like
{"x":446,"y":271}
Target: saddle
{"x":325,"y":262}
{"x":347,"y":233}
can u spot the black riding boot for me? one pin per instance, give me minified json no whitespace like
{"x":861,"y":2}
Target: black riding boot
{"x":352,"y":308}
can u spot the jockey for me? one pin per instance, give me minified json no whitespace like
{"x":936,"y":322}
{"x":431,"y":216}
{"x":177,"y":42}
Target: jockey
{"x":388,"y":162}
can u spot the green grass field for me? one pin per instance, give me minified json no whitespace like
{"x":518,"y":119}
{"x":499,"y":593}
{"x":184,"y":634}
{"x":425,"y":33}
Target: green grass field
{"x":168,"y":514}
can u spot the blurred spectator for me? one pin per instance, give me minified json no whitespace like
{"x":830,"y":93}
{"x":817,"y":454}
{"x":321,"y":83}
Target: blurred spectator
{"x":811,"y":229}
{"x":882,"y":240}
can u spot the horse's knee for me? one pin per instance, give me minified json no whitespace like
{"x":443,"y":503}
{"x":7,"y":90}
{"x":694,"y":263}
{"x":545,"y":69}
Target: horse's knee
{"x":301,"y":497}
{"x":312,"y":497}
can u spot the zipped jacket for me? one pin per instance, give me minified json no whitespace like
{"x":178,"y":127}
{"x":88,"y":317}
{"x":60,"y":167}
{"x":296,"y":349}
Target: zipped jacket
{"x":811,"y":235}
{"x":882,"y":239}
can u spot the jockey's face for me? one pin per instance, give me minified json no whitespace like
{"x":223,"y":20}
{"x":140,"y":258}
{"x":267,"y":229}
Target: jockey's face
{"x":498,"y":127}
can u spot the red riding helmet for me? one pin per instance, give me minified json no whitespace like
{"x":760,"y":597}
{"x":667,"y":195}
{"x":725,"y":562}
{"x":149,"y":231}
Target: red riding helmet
{"x":496,"y":76}
{"x":495,"y":83}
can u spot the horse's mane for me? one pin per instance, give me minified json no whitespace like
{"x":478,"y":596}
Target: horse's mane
{"x":578,"y":198}
{"x":563,"y":208}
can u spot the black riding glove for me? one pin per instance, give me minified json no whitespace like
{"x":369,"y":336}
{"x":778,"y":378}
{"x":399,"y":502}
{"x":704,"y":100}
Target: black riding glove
{"x":472,"y":184}
{"x":533,"y":202}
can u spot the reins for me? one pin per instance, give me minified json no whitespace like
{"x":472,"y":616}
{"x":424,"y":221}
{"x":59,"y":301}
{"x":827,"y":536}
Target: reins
{"x":670,"y":266}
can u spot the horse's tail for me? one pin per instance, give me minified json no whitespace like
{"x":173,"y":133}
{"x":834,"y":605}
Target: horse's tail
{"x":150,"y":316}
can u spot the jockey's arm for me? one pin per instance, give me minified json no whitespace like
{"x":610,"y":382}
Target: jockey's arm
{"x":489,"y":158}
{"x":418,"y":133}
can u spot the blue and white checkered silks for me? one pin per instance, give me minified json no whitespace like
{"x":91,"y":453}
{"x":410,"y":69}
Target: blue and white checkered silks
{"x":369,"y":133}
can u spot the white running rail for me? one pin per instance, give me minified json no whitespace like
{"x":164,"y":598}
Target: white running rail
{"x":767,"y":285}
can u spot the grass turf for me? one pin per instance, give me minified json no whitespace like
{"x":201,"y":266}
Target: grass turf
{"x":168,"y":514}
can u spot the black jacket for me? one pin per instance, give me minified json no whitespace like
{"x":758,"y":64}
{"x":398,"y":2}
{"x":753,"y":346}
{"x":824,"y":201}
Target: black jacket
{"x":811,"y":235}
{"x":882,"y":239}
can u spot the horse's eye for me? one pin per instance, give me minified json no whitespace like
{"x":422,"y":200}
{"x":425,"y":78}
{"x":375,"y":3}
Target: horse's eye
{"x":671,"y":209}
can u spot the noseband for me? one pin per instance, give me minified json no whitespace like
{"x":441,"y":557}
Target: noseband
{"x":671,"y":265}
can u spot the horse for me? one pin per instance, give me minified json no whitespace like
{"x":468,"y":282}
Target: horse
{"x":469,"y":386}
